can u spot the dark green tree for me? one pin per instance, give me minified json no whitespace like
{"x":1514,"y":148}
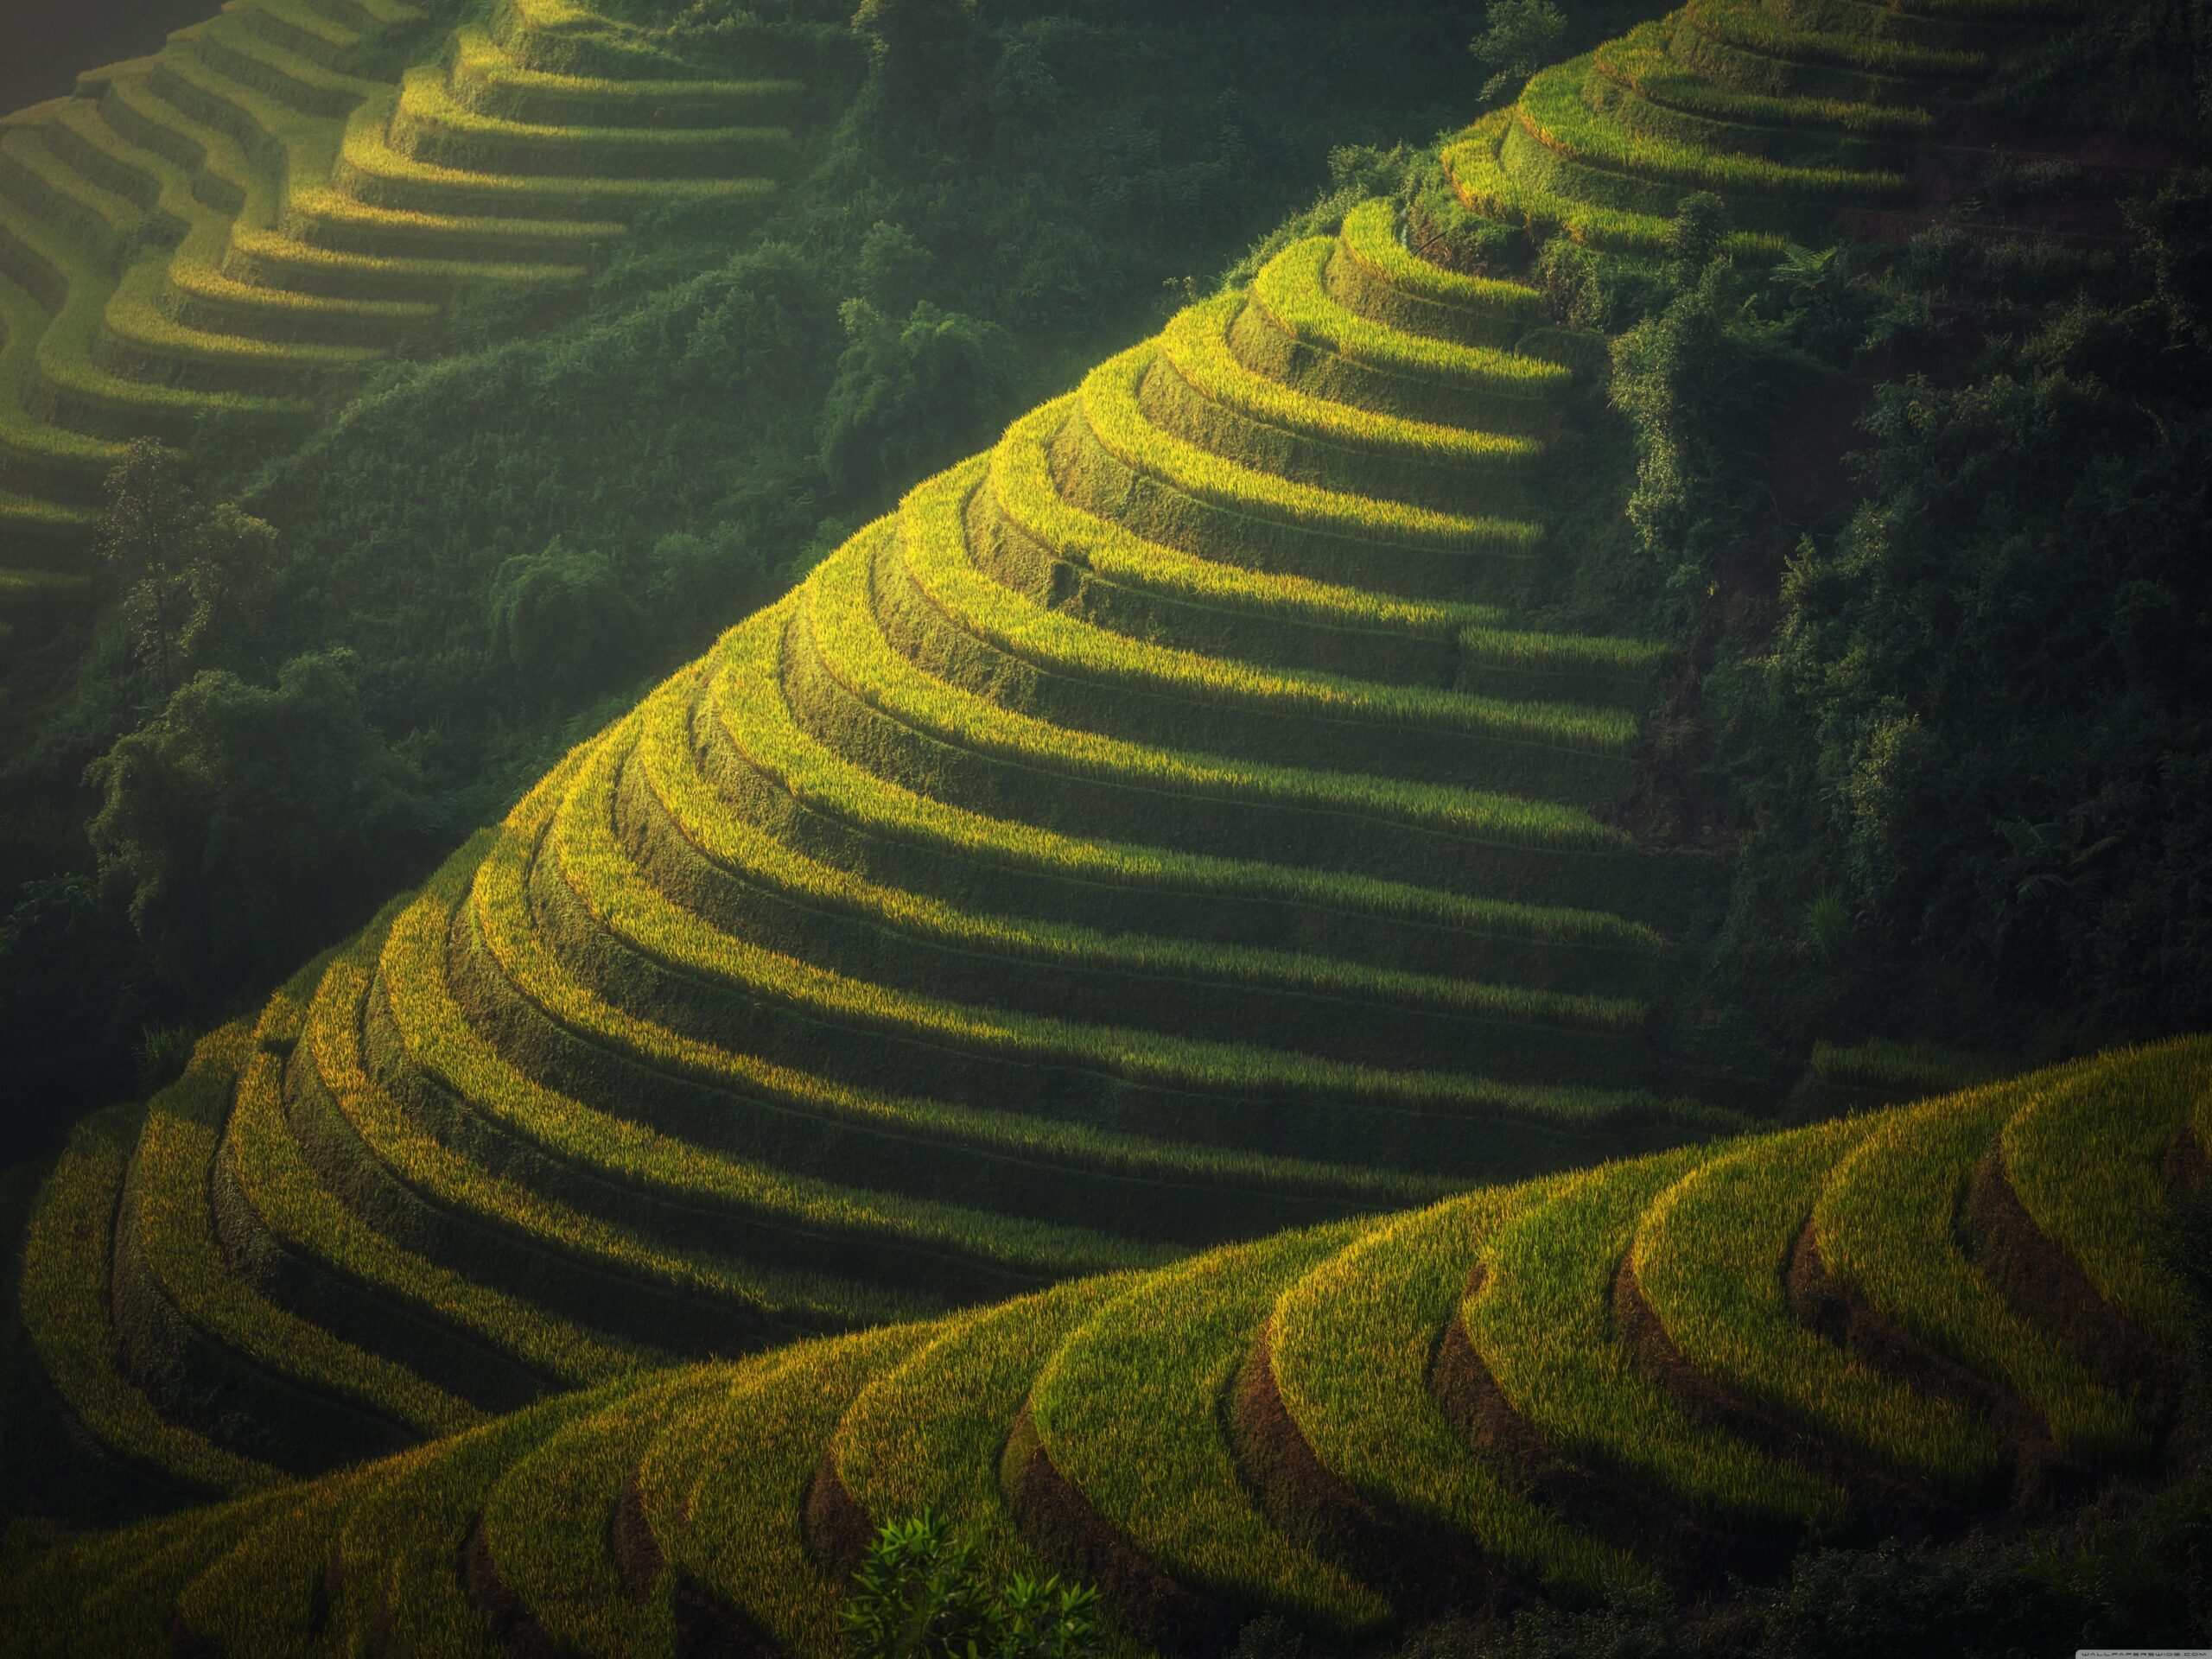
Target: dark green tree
{"x":912,"y":396}
{"x":1027,"y":102}
{"x":1688,"y":379}
{"x":758,"y":339}
{"x":1992,"y":670}
{"x":926,"y":60}
{"x":2176,"y":225}
{"x":1695,"y":235}
{"x":701,"y":583}
{"x":192,"y":578}
{"x":247,"y":825}
{"x":561,"y":618}
{"x":893,"y":269}
{"x":1519,"y":37}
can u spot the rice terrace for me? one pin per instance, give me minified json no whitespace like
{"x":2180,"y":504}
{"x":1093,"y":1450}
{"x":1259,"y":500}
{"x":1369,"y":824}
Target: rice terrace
{"x":1049,"y":829}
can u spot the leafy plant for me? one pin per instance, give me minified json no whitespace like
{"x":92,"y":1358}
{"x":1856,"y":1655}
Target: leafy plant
{"x":246,"y":821}
{"x":561,"y":617}
{"x":911,"y":395}
{"x":191,"y":576}
{"x":1518,"y":37}
{"x":1984,"y":670}
{"x":920,"y":1594}
{"x":1689,"y":381}
{"x":1828,"y":923}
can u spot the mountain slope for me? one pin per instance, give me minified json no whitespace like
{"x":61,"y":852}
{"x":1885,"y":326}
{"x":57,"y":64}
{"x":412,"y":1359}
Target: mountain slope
{"x":1165,"y":830}
{"x":995,"y":909}
{"x":221,"y":236}
{"x":1658,"y":1368}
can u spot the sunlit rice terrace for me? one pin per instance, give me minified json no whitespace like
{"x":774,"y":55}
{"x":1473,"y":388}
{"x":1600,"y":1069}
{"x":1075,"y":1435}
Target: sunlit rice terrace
{"x":1131,"y":1010}
{"x":1655,"y":1370}
{"x":226,"y":235}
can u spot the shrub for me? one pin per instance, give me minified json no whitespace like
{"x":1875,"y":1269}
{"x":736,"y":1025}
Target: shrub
{"x":925,"y":59}
{"x":1519,"y":36}
{"x":893,"y":269}
{"x":1695,"y":235}
{"x":917,"y":1594}
{"x":764,"y":331}
{"x":1584,"y":289}
{"x":192,"y":577}
{"x":1685,"y":379}
{"x":700,"y":581}
{"x":2178,"y":249}
{"x":1983,"y":669}
{"x":1973,"y":1599}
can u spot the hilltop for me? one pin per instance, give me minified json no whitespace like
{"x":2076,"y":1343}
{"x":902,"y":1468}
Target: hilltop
{"x":977,"y":916}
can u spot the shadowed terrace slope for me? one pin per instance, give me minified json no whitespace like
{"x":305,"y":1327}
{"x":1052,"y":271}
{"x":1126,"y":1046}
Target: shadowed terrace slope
{"x":1665,"y":1367}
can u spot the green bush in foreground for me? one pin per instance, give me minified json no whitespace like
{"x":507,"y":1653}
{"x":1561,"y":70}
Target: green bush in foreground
{"x":919,"y":1595}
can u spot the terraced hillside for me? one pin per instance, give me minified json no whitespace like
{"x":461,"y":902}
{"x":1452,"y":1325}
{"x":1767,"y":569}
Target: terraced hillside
{"x":1660,"y":1368}
{"x":1165,"y":830}
{"x":223,"y":235}
{"x":1138,"y":841}
{"x":1793,"y":111}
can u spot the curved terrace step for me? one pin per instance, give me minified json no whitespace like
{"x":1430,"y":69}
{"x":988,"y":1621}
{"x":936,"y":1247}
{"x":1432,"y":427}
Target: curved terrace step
{"x":1298,"y":1426}
{"x":291,"y":216}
